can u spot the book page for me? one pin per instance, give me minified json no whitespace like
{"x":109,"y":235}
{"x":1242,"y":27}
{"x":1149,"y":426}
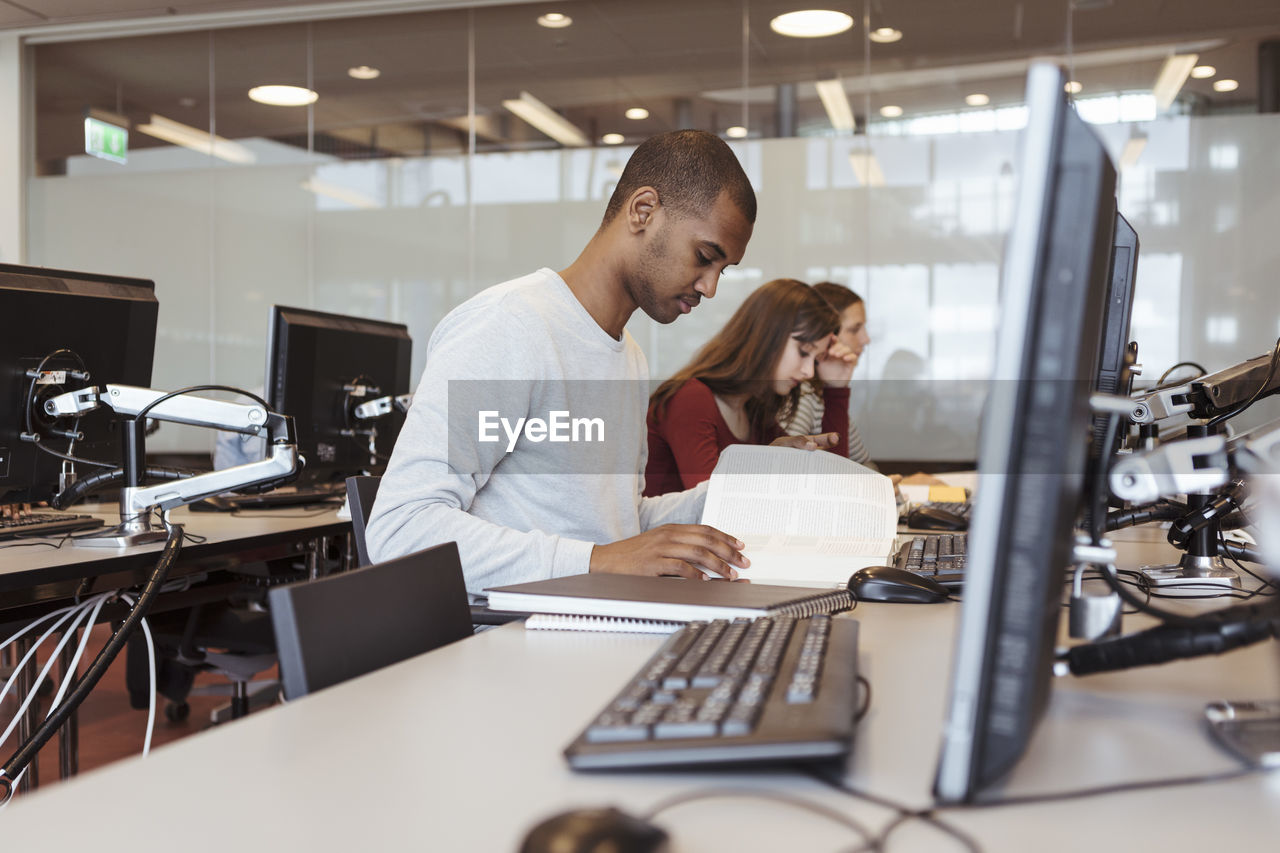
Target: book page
{"x":798,"y":508}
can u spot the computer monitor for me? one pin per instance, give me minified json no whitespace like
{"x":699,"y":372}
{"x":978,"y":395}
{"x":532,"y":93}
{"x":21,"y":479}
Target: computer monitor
{"x":315,"y":364}
{"x":105,"y":325}
{"x":1034,"y":442}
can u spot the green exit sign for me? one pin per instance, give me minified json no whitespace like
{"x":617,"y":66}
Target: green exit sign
{"x":106,"y":140}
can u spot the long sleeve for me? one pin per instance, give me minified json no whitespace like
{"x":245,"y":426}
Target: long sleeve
{"x":835,"y":416}
{"x":690,"y":424}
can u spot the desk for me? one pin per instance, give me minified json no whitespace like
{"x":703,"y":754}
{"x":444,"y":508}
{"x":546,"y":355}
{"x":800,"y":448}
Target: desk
{"x":35,"y":579}
{"x":460,"y":750}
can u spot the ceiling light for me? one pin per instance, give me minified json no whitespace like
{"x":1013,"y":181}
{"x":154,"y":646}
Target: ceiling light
{"x":1172,"y":76}
{"x":866,"y":168}
{"x":736,"y":132}
{"x":977,"y":99}
{"x":1073,"y":87}
{"x":613,"y":139}
{"x":177,"y":133}
{"x":811,"y":23}
{"x":554,"y":20}
{"x":1203,"y":72}
{"x":885,"y":35}
{"x":364,"y":72}
{"x":637,"y":113}
{"x":836,"y":102}
{"x":547,"y":120}
{"x":891,"y":111}
{"x":283,"y":96}
{"x":1225,"y":85}
{"x":339,"y":193}
{"x":1133,"y":148}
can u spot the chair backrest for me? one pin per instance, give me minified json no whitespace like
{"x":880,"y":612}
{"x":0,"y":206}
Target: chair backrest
{"x":347,"y":624}
{"x":360,"y":494}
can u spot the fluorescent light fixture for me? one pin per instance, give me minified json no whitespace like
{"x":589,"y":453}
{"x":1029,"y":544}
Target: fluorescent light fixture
{"x":811,"y":23}
{"x":836,"y":102}
{"x":885,"y":35}
{"x":339,"y":193}
{"x":736,"y":132}
{"x":283,"y":96}
{"x":866,"y":168}
{"x":613,"y":139}
{"x":547,"y":120}
{"x":554,"y":20}
{"x":1203,"y":72}
{"x":177,"y":133}
{"x":1073,"y":87}
{"x":1172,"y":76}
{"x":637,"y":113}
{"x":891,"y":111}
{"x":364,"y":72}
{"x":977,"y":99}
{"x":1225,"y":85}
{"x":1133,"y":149}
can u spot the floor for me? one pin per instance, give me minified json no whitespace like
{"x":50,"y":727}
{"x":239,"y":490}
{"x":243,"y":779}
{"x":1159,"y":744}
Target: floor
{"x":111,"y":730}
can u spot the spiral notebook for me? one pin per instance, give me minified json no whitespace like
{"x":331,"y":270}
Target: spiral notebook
{"x":672,"y":600}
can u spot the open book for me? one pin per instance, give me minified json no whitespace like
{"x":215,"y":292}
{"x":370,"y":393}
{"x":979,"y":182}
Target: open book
{"x":808,"y":517}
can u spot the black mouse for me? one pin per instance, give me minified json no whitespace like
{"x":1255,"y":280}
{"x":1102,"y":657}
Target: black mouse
{"x":888,"y":583}
{"x":930,"y":517}
{"x":595,"y":831}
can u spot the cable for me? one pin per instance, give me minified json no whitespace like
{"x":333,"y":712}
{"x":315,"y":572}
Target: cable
{"x":1118,"y":788}
{"x":1162,"y":511}
{"x":1271,"y":372}
{"x":107,"y":479}
{"x":151,"y":672}
{"x":1196,"y":365}
{"x":28,"y":750}
{"x":768,"y":796}
{"x":866,"y":699}
{"x":30,"y":400}
{"x":142,"y":413}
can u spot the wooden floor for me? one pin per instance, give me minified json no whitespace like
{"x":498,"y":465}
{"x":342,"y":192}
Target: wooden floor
{"x":111,"y":730}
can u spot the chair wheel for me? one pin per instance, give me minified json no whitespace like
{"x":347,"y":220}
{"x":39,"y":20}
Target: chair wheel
{"x":176,"y":712}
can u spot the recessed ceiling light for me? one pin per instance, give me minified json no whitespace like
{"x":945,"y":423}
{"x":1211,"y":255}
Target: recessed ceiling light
{"x":1225,"y":85}
{"x":1073,"y":87}
{"x":555,"y":20}
{"x":977,"y":99}
{"x":736,"y":132}
{"x":1203,"y":72}
{"x":885,"y":35}
{"x":891,"y":111}
{"x":637,"y":113}
{"x":811,"y":23}
{"x":363,"y":72}
{"x":283,"y":96}
{"x":613,"y":139}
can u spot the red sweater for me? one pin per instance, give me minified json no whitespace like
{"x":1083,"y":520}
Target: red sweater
{"x":686,"y":440}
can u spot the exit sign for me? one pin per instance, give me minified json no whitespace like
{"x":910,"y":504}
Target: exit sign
{"x":105,"y":140}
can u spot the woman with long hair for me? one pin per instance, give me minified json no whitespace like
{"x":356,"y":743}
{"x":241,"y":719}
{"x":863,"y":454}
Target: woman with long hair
{"x":741,"y":384}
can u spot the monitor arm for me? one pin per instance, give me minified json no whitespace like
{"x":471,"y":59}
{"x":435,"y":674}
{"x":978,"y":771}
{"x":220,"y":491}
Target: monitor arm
{"x":136,"y":499}
{"x":382,"y":406}
{"x":1211,"y":395}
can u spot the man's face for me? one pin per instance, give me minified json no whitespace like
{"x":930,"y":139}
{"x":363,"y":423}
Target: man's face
{"x":682,"y":258}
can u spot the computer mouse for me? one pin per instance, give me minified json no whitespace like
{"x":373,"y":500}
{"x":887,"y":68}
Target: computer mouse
{"x":607,"y":830}
{"x":889,"y":583}
{"x":930,"y":517}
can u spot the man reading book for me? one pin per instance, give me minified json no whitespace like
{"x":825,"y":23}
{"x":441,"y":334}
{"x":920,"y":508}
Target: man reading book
{"x":520,"y":354}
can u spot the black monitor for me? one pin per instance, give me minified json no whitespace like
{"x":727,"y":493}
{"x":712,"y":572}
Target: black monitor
{"x":318,"y":367}
{"x":100,"y":324}
{"x":1033,"y":445}
{"x":1113,"y":370}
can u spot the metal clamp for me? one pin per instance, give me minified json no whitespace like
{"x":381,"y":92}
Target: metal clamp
{"x":1178,"y":467}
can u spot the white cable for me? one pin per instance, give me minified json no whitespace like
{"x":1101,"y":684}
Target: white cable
{"x":21,"y":665}
{"x":151,"y":671}
{"x":75,"y":661}
{"x":31,"y":626}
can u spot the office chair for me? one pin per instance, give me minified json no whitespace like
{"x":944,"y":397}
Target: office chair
{"x":361,"y":492}
{"x":337,"y":627}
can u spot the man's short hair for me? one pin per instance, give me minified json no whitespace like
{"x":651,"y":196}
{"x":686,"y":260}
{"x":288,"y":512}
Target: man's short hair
{"x":689,"y":169}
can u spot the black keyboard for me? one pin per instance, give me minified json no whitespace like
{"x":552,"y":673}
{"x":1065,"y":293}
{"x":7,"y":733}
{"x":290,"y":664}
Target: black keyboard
{"x":44,"y":523}
{"x":773,"y":689}
{"x":941,"y":556}
{"x":268,"y":500}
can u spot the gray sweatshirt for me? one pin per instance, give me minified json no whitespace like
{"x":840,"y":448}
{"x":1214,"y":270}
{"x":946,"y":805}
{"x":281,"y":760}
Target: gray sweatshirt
{"x":523,"y":501}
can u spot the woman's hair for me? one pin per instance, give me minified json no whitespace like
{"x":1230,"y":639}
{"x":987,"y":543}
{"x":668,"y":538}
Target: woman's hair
{"x":742,"y":356}
{"x":838,"y":296}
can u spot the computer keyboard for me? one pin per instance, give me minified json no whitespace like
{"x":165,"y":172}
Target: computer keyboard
{"x":941,"y":556}
{"x":772,"y":689}
{"x":280,"y":498}
{"x":46,"y":523}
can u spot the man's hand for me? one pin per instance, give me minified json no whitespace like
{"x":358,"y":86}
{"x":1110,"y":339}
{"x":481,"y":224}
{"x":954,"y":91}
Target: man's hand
{"x":687,"y":550}
{"x":836,"y":366}
{"x":807,"y":442}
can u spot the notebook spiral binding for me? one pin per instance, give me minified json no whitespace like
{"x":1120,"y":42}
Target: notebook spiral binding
{"x":563,"y":622}
{"x":836,"y":601}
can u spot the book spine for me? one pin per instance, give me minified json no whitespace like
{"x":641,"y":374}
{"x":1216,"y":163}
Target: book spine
{"x":828,"y":602}
{"x":562,"y":622}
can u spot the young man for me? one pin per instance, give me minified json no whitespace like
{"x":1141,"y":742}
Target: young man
{"x":478,"y":460}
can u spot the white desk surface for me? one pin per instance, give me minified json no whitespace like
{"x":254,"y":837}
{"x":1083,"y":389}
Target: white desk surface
{"x":460,"y":750}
